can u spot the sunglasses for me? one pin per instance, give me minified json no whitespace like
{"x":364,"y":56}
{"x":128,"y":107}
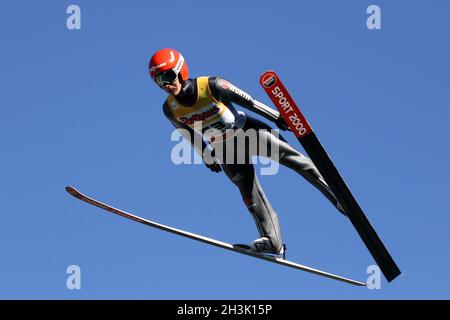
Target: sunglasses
{"x":166,"y":77}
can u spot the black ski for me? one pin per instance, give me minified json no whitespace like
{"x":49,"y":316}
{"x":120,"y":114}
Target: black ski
{"x":273,"y":86}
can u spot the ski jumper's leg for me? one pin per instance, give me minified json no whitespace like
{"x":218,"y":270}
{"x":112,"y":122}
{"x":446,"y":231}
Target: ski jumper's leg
{"x":286,"y":155}
{"x":266,"y":219}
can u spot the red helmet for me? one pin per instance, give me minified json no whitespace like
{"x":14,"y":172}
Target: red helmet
{"x":166,"y":65}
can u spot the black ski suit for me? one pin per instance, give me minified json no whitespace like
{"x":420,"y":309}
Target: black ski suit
{"x":243,"y":174}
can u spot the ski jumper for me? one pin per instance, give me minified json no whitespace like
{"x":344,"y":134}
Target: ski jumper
{"x":210,"y":100}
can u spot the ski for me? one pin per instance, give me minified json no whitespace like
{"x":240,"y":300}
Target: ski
{"x":209,"y":241}
{"x":273,"y":86}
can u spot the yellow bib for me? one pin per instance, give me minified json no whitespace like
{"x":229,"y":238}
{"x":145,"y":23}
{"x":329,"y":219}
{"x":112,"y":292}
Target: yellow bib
{"x":207,"y":116}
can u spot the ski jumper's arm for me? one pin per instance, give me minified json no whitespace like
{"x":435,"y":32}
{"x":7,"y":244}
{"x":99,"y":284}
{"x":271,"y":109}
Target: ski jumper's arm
{"x":225,"y":91}
{"x":187,"y":132}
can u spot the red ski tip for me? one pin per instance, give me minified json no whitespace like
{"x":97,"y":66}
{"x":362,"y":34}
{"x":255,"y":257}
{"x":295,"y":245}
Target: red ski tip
{"x":72,"y":190}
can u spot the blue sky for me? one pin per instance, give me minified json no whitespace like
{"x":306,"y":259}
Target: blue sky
{"x":78,"y":108}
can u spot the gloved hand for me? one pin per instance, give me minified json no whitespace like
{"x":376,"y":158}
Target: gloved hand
{"x":211,"y":162}
{"x":281,"y":124}
{"x":215,"y":167}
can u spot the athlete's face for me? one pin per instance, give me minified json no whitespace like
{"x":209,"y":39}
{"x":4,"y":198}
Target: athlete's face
{"x":173,"y":88}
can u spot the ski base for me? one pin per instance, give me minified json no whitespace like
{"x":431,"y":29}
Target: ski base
{"x":210,"y":241}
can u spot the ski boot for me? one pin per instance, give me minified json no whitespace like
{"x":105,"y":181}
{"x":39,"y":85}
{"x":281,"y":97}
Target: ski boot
{"x":264,"y":246}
